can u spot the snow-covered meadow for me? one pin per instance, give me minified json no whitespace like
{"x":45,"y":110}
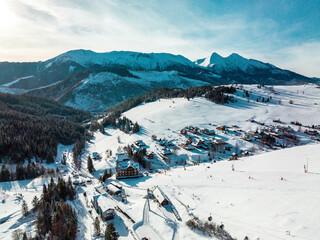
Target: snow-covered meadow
{"x":267,"y":196}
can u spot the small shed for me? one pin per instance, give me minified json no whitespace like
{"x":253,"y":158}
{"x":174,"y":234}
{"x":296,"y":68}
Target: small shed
{"x":139,"y":143}
{"x":96,"y":156}
{"x":221,"y":127}
{"x":166,"y":151}
{"x":160,"y":197}
{"x":113,"y":189}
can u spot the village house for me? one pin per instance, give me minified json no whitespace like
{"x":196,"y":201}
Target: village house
{"x":218,"y":141}
{"x":103,"y":206}
{"x":150,"y":155}
{"x":183,"y":131}
{"x":248,"y":136}
{"x":125,"y":167}
{"x":221,"y":128}
{"x":201,"y":144}
{"x":96,"y":156}
{"x":139,"y":143}
{"x":186,"y":146}
{"x":165,"y":151}
{"x":207,"y":131}
{"x":160,"y":197}
{"x":193,"y":129}
{"x":113,"y":189}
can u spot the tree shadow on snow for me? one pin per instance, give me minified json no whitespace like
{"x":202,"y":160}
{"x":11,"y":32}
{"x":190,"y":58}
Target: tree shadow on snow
{"x":14,"y":185}
{"x":120,"y":226}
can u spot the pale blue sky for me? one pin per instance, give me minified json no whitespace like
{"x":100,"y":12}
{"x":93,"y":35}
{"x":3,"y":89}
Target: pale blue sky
{"x":284,"y":33}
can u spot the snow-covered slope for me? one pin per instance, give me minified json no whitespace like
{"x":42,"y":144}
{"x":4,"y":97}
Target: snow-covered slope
{"x":260,"y":207}
{"x":102,"y":90}
{"x":250,"y":201}
{"x":231,"y":63}
{"x":133,"y":60}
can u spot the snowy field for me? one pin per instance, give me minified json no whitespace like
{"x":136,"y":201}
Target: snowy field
{"x":267,"y":196}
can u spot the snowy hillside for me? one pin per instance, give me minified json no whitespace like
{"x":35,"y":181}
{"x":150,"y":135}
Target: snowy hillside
{"x":133,"y":60}
{"x":103,"y":90}
{"x":251,"y":201}
{"x":265,"y":194}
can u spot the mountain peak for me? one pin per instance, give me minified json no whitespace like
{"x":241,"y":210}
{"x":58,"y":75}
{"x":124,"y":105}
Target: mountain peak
{"x":233,"y":62}
{"x":235,"y":56}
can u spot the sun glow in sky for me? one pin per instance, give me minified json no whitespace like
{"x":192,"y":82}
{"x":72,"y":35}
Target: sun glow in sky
{"x":6,"y":17}
{"x":284,"y":33}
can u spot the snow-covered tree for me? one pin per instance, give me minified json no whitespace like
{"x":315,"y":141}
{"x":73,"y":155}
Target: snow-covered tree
{"x":90,"y":165}
{"x":97,"y":228}
{"x":24,"y":208}
{"x":110,"y":233}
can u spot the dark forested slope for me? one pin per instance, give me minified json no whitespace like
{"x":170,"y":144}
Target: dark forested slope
{"x":33,"y":127}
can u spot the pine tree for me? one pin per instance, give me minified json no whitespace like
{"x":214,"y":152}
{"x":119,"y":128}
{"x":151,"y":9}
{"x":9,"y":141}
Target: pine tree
{"x":97,"y":229}
{"x":24,"y":236}
{"x":17,"y":234}
{"x":110,"y":233}
{"x":136,"y":128}
{"x":127,"y":129}
{"x":90,"y":165}
{"x":24,"y":208}
{"x":35,"y":202}
{"x":4,"y":173}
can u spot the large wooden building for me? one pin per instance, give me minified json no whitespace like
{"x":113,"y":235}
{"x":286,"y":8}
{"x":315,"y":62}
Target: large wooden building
{"x":126,"y":168}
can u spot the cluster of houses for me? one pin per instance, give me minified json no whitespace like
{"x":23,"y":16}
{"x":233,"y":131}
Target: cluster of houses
{"x":205,"y":144}
{"x":278,"y":131}
{"x":194,"y":130}
{"x":126,"y":167}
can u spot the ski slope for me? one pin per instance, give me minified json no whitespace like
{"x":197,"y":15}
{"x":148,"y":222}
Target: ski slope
{"x":267,"y":196}
{"x":251,"y":201}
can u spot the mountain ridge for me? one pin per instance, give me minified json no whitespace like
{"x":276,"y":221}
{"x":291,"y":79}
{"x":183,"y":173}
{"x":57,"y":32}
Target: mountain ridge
{"x":76,"y":76}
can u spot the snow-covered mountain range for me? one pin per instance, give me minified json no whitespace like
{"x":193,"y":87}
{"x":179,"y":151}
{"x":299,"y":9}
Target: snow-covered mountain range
{"x":132,"y":60}
{"x":233,"y":62}
{"x":93,"y":81}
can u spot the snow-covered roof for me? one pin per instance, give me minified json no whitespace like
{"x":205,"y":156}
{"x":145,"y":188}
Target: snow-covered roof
{"x":128,"y":163}
{"x":104,"y":202}
{"x":159,"y":195}
{"x":139,"y":142}
{"x":122,"y":156}
{"x":113,"y":189}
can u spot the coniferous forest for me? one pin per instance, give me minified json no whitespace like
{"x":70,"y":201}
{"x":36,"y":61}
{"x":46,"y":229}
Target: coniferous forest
{"x":32,"y":127}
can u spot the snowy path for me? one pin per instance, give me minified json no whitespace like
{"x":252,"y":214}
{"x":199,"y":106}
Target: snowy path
{"x":144,"y":229}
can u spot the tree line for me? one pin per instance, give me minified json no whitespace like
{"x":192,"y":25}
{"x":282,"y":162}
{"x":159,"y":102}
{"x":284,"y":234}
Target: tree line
{"x":22,"y":172}
{"x":216,"y":94}
{"x":32,"y":127}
